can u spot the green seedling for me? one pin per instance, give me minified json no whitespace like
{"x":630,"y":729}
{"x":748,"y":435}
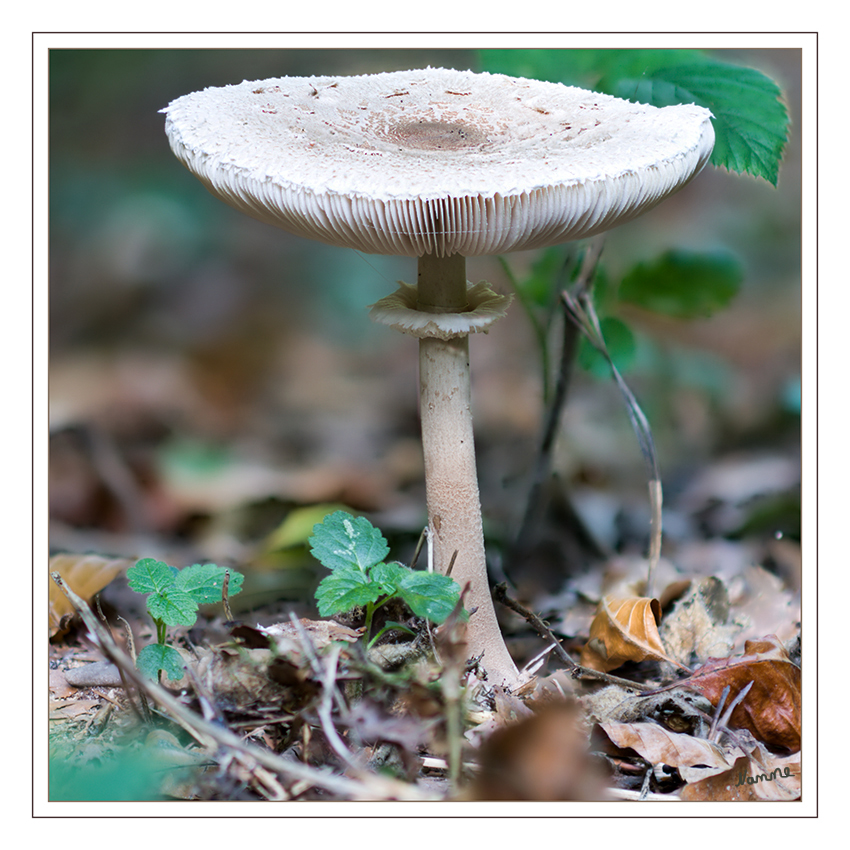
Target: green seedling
{"x":355,"y":552}
{"x":173,"y":599}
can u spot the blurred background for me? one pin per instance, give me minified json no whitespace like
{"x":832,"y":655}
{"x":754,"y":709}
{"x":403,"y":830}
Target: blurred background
{"x":213,"y":378}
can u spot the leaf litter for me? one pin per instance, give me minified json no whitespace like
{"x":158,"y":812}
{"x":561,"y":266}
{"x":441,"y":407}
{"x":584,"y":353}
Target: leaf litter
{"x":297,"y":709}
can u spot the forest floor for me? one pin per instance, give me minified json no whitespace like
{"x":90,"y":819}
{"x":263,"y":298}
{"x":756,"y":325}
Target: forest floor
{"x":689,"y":691}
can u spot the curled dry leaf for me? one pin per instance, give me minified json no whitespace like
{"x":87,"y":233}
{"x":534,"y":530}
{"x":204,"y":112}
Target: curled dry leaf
{"x":661,"y":746}
{"x":87,"y":575}
{"x":771,"y":710}
{"x":624,"y":630}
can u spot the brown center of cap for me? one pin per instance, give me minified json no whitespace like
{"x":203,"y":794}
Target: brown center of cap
{"x":437,"y":135}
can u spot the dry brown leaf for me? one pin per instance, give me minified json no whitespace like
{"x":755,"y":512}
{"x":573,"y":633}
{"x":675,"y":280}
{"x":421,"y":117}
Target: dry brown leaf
{"x":320,"y":633}
{"x":624,"y":630}
{"x":243,"y":679}
{"x":661,"y":746}
{"x":771,"y":709}
{"x":697,"y":627}
{"x":86,"y":575}
{"x":765,"y":605}
{"x":70,"y":709}
{"x":747,"y":781}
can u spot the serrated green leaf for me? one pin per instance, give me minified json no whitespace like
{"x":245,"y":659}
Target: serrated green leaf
{"x":684,"y":284}
{"x":150,"y":576}
{"x":343,"y":541}
{"x":621,"y":345}
{"x":155,"y":657}
{"x":173,"y":607}
{"x":429,"y":595}
{"x":389,"y":576}
{"x":750,"y":119}
{"x":346,"y":588}
{"x":203,"y":582}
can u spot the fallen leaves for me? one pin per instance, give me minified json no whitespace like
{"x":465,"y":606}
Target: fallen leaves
{"x":738,"y":768}
{"x":731,"y":730}
{"x":772,"y":708}
{"x":87,"y":574}
{"x":624,"y":630}
{"x":697,"y":627}
{"x":748,"y":781}
{"x":660,"y":746}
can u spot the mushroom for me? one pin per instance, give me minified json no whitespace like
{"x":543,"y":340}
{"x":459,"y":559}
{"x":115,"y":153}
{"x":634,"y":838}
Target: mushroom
{"x":440,"y":165}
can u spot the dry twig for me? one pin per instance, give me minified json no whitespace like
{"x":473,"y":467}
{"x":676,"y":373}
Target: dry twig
{"x":500,"y":594}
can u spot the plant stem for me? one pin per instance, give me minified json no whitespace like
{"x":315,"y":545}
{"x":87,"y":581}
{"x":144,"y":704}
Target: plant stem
{"x":367,"y":626}
{"x":451,"y":479}
{"x":543,"y":463}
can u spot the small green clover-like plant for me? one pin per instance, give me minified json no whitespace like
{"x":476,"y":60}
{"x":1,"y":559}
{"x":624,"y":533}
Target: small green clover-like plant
{"x":355,"y":552}
{"x":173,"y":599}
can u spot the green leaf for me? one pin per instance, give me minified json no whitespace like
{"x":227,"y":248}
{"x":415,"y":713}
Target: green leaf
{"x":621,"y":345}
{"x":173,"y":607}
{"x":588,"y":68}
{"x":684,"y":284}
{"x":429,"y":595}
{"x":150,"y":576}
{"x":346,"y":588}
{"x":155,"y":657}
{"x":750,"y":119}
{"x":537,"y":290}
{"x":389,"y":576}
{"x":343,"y":541}
{"x":203,"y":582}
{"x":393,"y":626}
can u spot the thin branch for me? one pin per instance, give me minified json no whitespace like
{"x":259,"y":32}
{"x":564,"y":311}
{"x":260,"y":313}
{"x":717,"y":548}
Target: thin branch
{"x":325,"y":710}
{"x":583,"y":313}
{"x":724,"y":720}
{"x":225,"y":587}
{"x":712,"y":731}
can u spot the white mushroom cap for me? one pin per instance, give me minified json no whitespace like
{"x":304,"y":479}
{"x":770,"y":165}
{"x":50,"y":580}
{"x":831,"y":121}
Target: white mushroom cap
{"x":434,"y":160}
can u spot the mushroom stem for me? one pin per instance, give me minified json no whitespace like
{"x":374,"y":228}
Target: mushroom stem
{"x":451,"y":479}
